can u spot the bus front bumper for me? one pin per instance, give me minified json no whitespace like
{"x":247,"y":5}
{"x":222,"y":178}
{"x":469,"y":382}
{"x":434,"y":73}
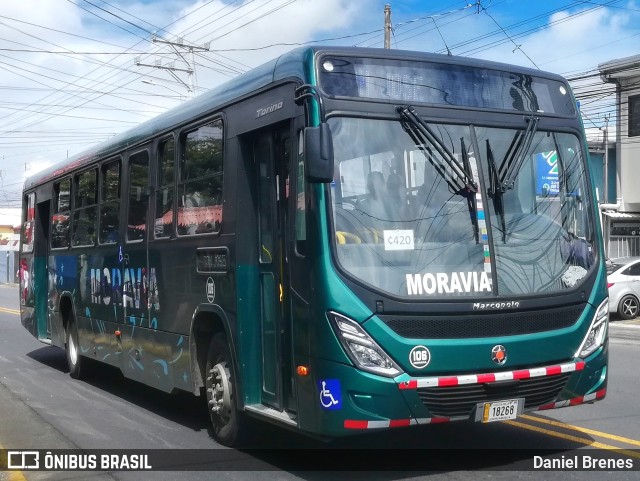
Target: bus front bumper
{"x":352,"y":401}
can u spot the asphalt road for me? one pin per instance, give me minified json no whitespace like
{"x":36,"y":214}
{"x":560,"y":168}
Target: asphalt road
{"x":42,"y":407}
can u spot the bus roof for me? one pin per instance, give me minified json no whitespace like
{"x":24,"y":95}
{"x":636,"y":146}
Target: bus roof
{"x":289,"y":65}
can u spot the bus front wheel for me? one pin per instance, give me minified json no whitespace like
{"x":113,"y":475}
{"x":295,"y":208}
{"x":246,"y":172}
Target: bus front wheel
{"x":229,"y":425}
{"x":74,"y":359}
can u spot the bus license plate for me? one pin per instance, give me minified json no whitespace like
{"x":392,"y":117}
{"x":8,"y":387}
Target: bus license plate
{"x":499,"y":410}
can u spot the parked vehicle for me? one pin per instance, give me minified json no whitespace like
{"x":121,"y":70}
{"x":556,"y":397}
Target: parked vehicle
{"x":623,"y":281}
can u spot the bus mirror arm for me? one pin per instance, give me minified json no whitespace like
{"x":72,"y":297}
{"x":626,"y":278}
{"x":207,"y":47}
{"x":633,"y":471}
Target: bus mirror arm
{"x":318,"y":153}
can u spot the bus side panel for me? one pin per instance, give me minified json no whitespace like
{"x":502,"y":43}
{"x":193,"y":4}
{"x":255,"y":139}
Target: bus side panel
{"x":158,"y":359}
{"x":62,"y":283}
{"x":27,"y":299}
{"x":97,"y":340}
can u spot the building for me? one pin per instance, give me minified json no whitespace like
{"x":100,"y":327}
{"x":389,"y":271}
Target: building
{"x":621,"y":212}
{"x":9,"y":244}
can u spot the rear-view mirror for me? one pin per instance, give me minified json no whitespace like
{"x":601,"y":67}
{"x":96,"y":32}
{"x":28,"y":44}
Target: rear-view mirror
{"x":318,"y":153}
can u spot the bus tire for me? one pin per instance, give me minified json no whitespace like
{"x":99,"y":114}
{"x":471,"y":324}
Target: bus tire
{"x":72,"y":348}
{"x":628,"y":307}
{"x":229,"y":425}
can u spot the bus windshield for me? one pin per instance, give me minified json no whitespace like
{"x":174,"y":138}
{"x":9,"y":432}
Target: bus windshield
{"x":431,"y":210}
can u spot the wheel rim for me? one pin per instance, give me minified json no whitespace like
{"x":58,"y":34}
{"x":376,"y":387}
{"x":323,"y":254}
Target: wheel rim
{"x":630,"y":307}
{"x":219,"y":394}
{"x":73,"y":350}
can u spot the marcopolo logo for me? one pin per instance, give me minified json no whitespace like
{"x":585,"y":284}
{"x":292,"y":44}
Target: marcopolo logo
{"x":481,"y":306}
{"x":419,"y":357}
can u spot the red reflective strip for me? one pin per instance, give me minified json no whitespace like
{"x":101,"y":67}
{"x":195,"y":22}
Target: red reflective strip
{"x":439,"y":420}
{"x":524,"y":374}
{"x":576,"y":400}
{"x":447,"y":381}
{"x":350,"y":424}
{"x":413,"y":384}
{"x":396,"y":423}
{"x":482,"y":378}
{"x":601,"y":393}
{"x":491,"y":377}
{"x":553,"y":370}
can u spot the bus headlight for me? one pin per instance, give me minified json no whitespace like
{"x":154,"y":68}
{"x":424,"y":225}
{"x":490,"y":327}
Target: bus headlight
{"x":597,"y":332}
{"x":361,"y":349}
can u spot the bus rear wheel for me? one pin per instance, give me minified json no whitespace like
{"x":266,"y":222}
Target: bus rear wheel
{"x":72,"y":348}
{"x":229,"y":425}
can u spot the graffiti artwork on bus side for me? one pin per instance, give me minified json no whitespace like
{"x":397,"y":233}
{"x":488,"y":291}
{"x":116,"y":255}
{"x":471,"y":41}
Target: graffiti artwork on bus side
{"x":130,"y":287}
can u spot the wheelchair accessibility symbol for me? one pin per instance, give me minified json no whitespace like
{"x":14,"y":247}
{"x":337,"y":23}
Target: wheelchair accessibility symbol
{"x":330,"y":396}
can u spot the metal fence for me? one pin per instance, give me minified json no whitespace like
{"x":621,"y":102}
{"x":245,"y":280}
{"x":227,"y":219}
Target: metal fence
{"x":623,"y":246}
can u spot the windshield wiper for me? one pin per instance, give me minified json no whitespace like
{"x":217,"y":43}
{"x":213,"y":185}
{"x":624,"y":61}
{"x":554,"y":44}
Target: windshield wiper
{"x":458,"y":176}
{"x":469,"y":194}
{"x":496,"y":189}
{"x":517,"y":154}
{"x":503,"y":179}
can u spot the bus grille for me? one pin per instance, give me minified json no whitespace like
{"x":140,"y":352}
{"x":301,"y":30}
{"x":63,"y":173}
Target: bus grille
{"x":479,"y":325}
{"x":460,"y":400}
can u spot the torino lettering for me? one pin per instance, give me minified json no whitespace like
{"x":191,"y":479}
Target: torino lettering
{"x":447,"y":283}
{"x":129,"y":287}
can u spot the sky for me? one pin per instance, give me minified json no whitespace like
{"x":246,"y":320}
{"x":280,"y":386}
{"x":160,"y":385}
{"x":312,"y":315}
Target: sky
{"x":74,"y":73}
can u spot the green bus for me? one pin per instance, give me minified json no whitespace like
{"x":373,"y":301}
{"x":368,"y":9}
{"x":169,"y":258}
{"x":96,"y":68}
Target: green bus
{"x":339,"y":240}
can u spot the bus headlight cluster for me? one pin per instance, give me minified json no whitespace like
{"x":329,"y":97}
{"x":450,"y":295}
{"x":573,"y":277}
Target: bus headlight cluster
{"x":597,"y":332}
{"x":361,"y":349}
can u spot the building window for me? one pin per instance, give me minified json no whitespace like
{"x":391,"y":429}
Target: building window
{"x":200,"y":183}
{"x":634,"y":116}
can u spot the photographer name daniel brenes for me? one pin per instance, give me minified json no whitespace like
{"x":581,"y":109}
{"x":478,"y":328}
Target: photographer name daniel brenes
{"x":583,"y":462}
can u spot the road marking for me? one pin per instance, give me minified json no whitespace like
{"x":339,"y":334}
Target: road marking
{"x":575,"y":439}
{"x":10,"y":311}
{"x":613,"y":437}
{"x":16,"y":476}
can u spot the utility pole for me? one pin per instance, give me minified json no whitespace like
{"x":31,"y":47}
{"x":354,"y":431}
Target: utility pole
{"x":387,"y":26}
{"x":171,"y":68}
{"x":605,"y":175}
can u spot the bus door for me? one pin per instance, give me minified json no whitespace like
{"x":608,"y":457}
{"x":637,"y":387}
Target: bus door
{"x":271,"y":153}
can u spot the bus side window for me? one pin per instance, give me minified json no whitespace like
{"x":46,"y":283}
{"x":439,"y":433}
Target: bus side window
{"x":200,"y":184}
{"x":110,"y":203}
{"x":85,"y":208}
{"x":164,"y":194}
{"x":28,"y":217}
{"x":61,"y":217}
{"x":138,"y":195}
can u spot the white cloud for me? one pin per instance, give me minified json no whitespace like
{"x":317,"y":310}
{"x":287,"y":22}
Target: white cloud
{"x":45,"y":125}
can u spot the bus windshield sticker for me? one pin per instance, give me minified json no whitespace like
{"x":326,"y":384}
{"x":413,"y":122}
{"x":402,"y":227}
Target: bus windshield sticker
{"x":398,"y":240}
{"x":330,"y":397}
{"x":448,"y":283}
